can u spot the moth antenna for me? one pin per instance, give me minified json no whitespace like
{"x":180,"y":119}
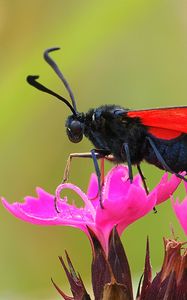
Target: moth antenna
{"x":56,"y":69}
{"x":32,"y":80}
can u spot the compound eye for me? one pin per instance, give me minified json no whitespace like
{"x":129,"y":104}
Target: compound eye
{"x":75,"y":131}
{"x":75,"y":127}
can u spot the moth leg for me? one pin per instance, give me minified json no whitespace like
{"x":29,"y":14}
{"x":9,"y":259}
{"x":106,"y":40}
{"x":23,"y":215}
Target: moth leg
{"x":98,"y":173}
{"x":77,"y":155}
{"x":67,"y":168}
{"x":144,"y":183}
{"x":95,"y":154}
{"x":143,"y":179}
{"x":102,"y":168}
{"x":162,"y":161}
{"x":127,"y":152}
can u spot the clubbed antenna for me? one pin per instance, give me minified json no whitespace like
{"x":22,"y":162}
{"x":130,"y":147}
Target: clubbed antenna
{"x":32,"y":80}
{"x":54,"y":66}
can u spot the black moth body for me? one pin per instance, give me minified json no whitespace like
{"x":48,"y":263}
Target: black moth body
{"x":108,"y":128}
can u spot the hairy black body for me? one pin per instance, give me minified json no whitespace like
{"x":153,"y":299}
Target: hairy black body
{"x":108,"y":128}
{"x":173,"y":152}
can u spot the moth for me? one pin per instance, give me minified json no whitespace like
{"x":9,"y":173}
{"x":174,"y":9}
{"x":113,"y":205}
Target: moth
{"x":157,"y":135}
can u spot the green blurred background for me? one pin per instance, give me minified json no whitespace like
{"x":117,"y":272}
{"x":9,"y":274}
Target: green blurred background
{"x":132,"y":53}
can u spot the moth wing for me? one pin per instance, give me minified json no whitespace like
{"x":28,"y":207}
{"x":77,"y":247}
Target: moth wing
{"x":165,"y":123}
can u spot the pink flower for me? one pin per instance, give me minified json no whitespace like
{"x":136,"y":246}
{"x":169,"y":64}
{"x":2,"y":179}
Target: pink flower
{"x":123,"y":204}
{"x":180,"y":210}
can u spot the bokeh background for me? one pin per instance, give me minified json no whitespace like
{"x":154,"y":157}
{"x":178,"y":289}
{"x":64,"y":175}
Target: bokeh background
{"x":131,"y":52}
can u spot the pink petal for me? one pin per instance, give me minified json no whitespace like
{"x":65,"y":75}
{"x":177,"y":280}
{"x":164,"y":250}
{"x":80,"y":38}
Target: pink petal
{"x":117,"y":182}
{"x":123,"y":203}
{"x":166,"y":187}
{"x":124,"y":210}
{"x":92,"y":192}
{"x":180,"y":210}
{"x":42,"y":211}
{"x":34,"y":209}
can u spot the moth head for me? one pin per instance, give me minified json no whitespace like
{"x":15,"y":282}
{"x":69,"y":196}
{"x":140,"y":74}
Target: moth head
{"x":74,"y":129}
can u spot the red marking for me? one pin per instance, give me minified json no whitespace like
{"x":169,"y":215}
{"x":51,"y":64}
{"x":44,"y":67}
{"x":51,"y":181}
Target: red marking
{"x":165,"y":134}
{"x":166,"y":123}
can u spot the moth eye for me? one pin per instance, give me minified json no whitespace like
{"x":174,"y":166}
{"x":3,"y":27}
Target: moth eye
{"x":75,"y":131}
{"x":75,"y":127}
